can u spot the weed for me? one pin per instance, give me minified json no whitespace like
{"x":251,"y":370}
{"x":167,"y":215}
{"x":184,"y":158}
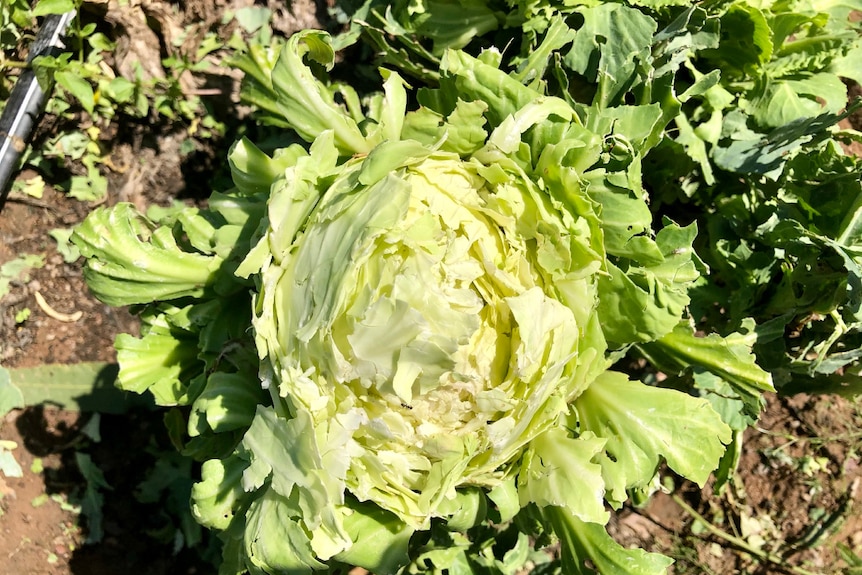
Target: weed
{"x":93,"y":95}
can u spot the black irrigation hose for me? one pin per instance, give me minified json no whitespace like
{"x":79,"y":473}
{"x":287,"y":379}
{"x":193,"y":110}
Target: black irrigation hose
{"x":27,"y":100}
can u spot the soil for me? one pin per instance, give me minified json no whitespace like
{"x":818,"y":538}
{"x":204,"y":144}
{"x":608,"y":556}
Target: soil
{"x":799,"y":466}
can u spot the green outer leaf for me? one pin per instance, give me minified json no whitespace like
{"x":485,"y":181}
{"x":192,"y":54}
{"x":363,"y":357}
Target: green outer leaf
{"x":130,"y":260}
{"x":215,"y":497}
{"x":785,"y":100}
{"x":306,"y":104}
{"x":750,"y":44}
{"x":257,"y":63}
{"x":558,"y":470}
{"x":243,"y":211}
{"x":624,"y":216}
{"x":380,"y":540}
{"x":228,"y":402}
{"x":452,"y":23}
{"x":162,"y":362}
{"x":463,"y":128}
{"x":253,"y":171}
{"x":393,"y":106}
{"x":275,"y":541}
{"x":645,"y":293}
{"x":730,"y":358}
{"x":753,"y":153}
{"x":86,"y":386}
{"x":642,"y":424}
{"x":389,"y":157}
{"x":10,"y":396}
{"x":467,"y":509}
{"x":535,"y":65}
{"x":475,"y":80}
{"x":637,"y":124}
{"x":585,"y":543}
{"x":726,"y":401}
{"x":509,"y":135}
{"x":850,"y":65}
{"x":286,"y":456}
{"x":613,"y":41}
{"x":505,"y":497}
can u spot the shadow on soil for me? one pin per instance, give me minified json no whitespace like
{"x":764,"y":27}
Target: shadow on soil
{"x":131,"y":486}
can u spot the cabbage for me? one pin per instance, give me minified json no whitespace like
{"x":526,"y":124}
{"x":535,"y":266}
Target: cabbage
{"x":411,"y":322}
{"x":429,"y":321}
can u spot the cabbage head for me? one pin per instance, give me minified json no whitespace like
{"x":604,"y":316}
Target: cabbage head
{"x":429,"y":320}
{"x":424,"y":310}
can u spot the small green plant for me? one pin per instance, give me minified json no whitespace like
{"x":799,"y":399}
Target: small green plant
{"x":16,"y":22}
{"x":90,"y":95}
{"x":852,"y":558}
